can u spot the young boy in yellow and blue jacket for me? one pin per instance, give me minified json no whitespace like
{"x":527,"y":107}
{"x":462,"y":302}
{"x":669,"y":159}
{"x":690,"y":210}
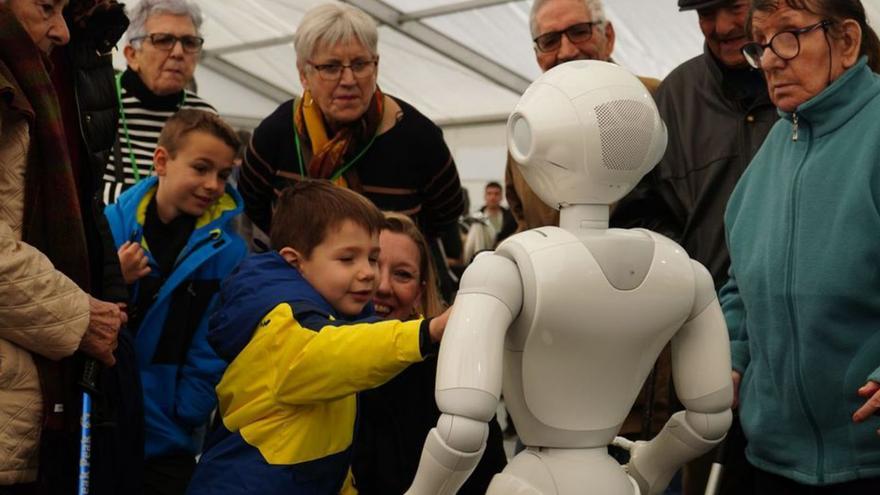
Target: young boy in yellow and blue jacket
{"x":296,"y":326}
{"x":175,"y":245}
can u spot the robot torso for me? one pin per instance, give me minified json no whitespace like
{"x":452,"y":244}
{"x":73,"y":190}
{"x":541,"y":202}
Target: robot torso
{"x":580,"y":340}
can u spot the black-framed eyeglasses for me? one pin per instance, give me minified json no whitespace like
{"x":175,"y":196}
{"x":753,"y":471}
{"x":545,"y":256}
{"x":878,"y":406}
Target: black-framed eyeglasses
{"x":333,"y":72}
{"x":576,"y":33}
{"x":166,"y":41}
{"x":785,"y":44}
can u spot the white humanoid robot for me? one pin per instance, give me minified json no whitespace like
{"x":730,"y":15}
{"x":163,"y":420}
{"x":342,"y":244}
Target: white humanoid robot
{"x":568,"y":321}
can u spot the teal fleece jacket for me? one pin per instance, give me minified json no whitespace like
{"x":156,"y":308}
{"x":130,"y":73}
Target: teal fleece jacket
{"x":803,"y":300}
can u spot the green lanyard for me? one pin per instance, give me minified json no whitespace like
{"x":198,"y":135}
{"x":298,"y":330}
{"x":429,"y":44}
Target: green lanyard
{"x":344,"y":167}
{"x":134,"y":166}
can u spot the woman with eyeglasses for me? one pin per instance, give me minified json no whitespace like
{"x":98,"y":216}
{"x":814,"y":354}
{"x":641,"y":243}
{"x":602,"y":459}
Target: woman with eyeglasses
{"x":161,"y":50}
{"x":345,"y":129}
{"x":803,"y":227}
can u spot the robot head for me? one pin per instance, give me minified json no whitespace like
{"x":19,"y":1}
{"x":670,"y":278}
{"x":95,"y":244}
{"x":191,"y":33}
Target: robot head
{"x":585,"y":132}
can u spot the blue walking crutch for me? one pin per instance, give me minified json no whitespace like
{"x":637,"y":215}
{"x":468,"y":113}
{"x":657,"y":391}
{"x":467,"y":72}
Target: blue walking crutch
{"x":89,"y":382}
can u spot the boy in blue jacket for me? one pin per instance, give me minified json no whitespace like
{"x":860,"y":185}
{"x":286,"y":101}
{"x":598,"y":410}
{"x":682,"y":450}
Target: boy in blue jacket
{"x":296,"y":326}
{"x":175,"y":246}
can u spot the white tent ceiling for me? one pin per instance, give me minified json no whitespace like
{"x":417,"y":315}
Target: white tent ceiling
{"x":463,"y":63}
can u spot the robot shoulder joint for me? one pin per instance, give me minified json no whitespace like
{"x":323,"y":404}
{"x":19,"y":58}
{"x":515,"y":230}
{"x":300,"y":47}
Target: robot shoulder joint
{"x":494,"y":275}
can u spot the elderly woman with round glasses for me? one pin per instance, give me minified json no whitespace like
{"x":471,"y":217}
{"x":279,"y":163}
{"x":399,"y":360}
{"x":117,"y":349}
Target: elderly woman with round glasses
{"x":803,"y":300}
{"x":345,"y":129}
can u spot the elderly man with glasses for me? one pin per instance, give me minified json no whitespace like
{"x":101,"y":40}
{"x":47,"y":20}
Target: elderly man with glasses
{"x":562,"y":30}
{"x":718,"y":113}
{"x":162,"y":47}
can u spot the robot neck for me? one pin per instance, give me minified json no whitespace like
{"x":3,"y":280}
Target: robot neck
{"x":583,"y":220}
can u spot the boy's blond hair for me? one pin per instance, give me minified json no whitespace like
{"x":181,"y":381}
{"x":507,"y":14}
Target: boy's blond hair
{"x":187,"y":121}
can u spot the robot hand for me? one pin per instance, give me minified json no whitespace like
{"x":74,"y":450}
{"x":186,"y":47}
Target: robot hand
{"x":653,"y":464}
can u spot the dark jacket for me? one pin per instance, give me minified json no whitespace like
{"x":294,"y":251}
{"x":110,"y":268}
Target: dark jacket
{"x":717,"y":119}
{"x":393,"y":421}
{"x":84,"y":82}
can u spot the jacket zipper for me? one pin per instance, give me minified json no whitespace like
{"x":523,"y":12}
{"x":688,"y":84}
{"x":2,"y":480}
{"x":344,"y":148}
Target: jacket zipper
{"x":794,"y":131}
{"x":792,"y":316}
{"x":212,"y":236}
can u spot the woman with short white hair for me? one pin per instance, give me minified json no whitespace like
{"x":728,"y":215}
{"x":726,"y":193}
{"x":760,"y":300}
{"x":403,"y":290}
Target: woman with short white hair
{"x":345,"y":129}
{"x":163,"y":43}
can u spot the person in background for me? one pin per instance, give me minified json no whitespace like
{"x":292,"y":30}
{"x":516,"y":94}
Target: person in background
{"x":395,"y":418}
{"x":176,"y":244}
{"x":500,"y":217}
{"x":345,"y":129}
{"x":802,"y":303}
{"x":161,"y":49}
{"x":51,"y":265}
{"x":717,"y":114}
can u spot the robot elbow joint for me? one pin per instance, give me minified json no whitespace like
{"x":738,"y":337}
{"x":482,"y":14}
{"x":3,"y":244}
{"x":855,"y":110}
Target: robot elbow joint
{"x":461,"y":433}
{"x":710,"y":426}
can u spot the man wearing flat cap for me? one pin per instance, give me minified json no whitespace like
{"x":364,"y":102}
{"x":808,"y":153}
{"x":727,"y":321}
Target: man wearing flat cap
{"x":718,"y":113}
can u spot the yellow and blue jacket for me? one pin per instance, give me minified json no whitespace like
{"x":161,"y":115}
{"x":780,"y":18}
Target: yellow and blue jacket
{"x":288,"y":400}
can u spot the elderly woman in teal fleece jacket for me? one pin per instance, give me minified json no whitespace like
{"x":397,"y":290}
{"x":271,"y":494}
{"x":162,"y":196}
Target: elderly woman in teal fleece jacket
{"x":803,"y":300}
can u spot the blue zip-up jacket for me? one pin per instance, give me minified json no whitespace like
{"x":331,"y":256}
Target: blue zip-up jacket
{"x":178,"y":368}
{"x":803,"y":300}
{"x":288,"y":398}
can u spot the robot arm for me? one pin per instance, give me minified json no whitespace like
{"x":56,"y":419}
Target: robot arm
{"x":469,"y":374}
{"x":701,"y":373}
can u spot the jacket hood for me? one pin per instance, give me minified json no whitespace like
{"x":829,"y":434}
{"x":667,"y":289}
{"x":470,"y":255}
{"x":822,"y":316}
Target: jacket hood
{"x":252,"y":290}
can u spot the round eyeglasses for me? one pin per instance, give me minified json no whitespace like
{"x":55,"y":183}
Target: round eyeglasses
{"x":166,"y":42}
{"x":785,"y":44}
{"x":360,"y":69}
{"x":576,"y":33}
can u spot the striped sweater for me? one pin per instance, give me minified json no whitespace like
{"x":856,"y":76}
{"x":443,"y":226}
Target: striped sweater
{"x":408,"y":169}
{"x":144,"y":114}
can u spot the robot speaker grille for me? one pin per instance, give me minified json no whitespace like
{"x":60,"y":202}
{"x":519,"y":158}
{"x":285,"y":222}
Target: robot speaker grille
{"x":625,"y":131}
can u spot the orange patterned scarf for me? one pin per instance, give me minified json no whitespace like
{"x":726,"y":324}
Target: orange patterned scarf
{"x":325,"y":155}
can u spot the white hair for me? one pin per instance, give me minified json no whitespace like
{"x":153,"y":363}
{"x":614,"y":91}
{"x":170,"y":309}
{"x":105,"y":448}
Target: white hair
{"x":140,"y":13}
{"x":594,"y":7}
{"x":331,"y":24}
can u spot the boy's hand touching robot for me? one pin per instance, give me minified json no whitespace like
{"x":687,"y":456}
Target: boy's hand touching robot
{"x":133,"y":261}
{"x":437,"y":325}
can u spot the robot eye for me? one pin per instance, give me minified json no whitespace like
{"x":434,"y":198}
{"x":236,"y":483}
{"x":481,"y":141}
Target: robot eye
{"x":521,"y":138}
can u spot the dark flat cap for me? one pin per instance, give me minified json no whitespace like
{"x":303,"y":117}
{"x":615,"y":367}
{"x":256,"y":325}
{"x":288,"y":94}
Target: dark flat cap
{"x":700,"y":4}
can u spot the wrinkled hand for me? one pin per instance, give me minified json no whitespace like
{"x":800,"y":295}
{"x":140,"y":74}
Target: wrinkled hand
{"x":105,"y":319}
{"x":438,"y":325}
{"x":870,"y":391}
{"x":133,"y":261}
{"x":736,"y":379}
